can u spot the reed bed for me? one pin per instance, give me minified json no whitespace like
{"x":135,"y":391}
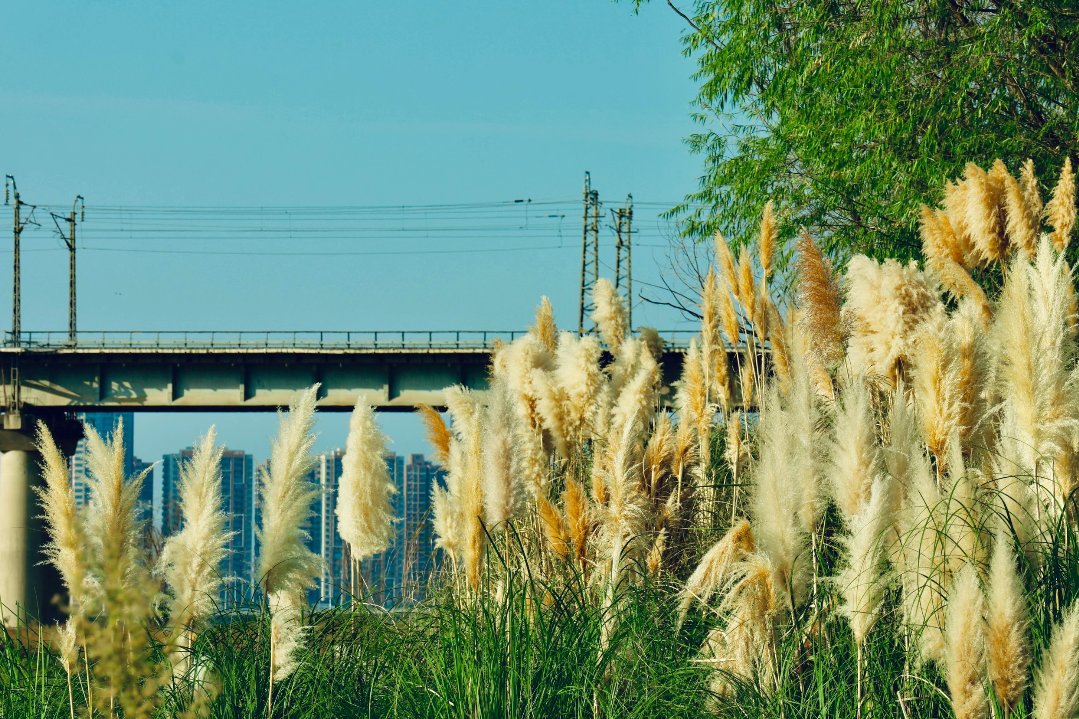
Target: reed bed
{"x":859,"y":499}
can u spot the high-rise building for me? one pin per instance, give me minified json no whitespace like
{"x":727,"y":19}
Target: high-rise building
{"x":415,"y":536}
{"x":238,"y":504}
{"x":145,"y":507}
{"x":105,"y":424}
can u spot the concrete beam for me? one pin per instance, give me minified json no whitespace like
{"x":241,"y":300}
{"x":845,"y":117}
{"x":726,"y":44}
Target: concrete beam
{"x":227,"y":380}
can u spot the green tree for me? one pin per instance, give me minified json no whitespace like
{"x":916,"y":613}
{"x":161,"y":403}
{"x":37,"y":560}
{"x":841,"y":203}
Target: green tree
{"x":850,"y":113}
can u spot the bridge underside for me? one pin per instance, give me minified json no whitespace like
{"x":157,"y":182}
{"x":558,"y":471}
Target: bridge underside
{"x":77,"y":380}
{"x":223,"y":380}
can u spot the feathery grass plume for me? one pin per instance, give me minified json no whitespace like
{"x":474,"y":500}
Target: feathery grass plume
{"x":965,"y":658}
{"x":769,"y":237}
{"x":286,"y":567}
{"x":1023,"y":221}
{"x":955,"y":207}
{"x":1007,"y":638}
{"x":57,"y":497}
{"x":438,"y":434}
{"x":656,"y":462}
{"x":467,"y":482}
{"x":949,"y":378}
{"x":752,"y":606}
{"x":861,"y":583}
{"x":190,"y":560}
{"x":1032,"y":194}
{"x":725,"y":260}
{"x":554,"y":527}
{"x":903,"y":458}
{"x":446,"y":521}
{"x":639,"y":398}
{"x":516,"y":364}
{"x":1060,"y":210}
{"x":693,"y":407}
{"x":544,"y":328}
{"x":1056,"y":689}
{"x":609,"y":315}
{"x":501,"y":493}
{"x":1036,"y":352}
{"x":115,"y":642}
{"x":778,"y":332}
{"x":1018,"y":502}
{"x":364,"y":510}
{"x":575,"y":504}
{"x":64,"y":549}
{"x":854,"y":451}
{"x":716,"y":568}
{"x":984,"y":192}
{"x":621,"y":518}
{"x":713,"y":352}
{"x":944,"y":258}
{"x":885,"y":303}
{"x":579,"y":379}
{"x":939,"y":241}
{"x":783,"y":504}
{"x":746,"y":290}
{"x":819,"y":304}
{"x":654,"y":560}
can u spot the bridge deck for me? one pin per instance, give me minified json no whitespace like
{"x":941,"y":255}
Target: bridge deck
{"x":248,"y":371}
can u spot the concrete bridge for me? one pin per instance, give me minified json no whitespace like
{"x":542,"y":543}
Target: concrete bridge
{"x":46,"y":376}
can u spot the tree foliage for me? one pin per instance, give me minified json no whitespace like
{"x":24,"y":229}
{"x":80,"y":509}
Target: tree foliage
{"x":851,"y":113}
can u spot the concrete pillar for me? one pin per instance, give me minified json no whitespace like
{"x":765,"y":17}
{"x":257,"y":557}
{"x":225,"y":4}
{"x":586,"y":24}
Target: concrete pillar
{"x":28,"y":587}
{"x":18,"y":535}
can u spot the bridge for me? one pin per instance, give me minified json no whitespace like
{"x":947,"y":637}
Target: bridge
{"x":49,"y":376}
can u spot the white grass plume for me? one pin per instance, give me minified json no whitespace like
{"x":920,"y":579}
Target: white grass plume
{"x":286,"y":566}
{"x":190,"y":559}
{"x":609,"y":315}
{"x":862,"y":583}
{"x":1056,"y":689}
{"x":885,"y":303}
{"x":1007,"y":626}
{"x":855,"y":455}
{"x":716,"y":567}
{"x":64,"y":549}
{"x":964,"y":665}
{"x":364,"y":510}
{"x":57,"y":497}
{"x":502,"y":493}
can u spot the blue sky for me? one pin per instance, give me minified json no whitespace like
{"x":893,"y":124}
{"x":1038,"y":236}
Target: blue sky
{"x":325,"y":104}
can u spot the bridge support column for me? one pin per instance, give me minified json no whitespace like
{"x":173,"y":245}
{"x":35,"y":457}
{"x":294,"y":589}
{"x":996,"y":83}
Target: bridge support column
{"x":18,"y":535}
{"x":27,"y":588}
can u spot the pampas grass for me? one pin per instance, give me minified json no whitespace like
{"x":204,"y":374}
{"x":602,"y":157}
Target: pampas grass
{"x":364,"y":510}
{"x":609,"y":315}
{"x":1060,"y":210}
{"x":965,"y":651}
{"x":1007,"y":638}
{"x":1056,"y":690}
{"x":191,"y":559}
{"x":64,"y":549}
{"x":286,"y":567}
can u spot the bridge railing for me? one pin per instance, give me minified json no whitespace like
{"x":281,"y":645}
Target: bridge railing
{"x":280,"y":339}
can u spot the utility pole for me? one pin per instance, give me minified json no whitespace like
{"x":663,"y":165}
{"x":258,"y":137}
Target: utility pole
{"x":78,"y":207}
{"x":623,"y":254}
{"x":16,"y":278}
{"x":589,"y":251}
